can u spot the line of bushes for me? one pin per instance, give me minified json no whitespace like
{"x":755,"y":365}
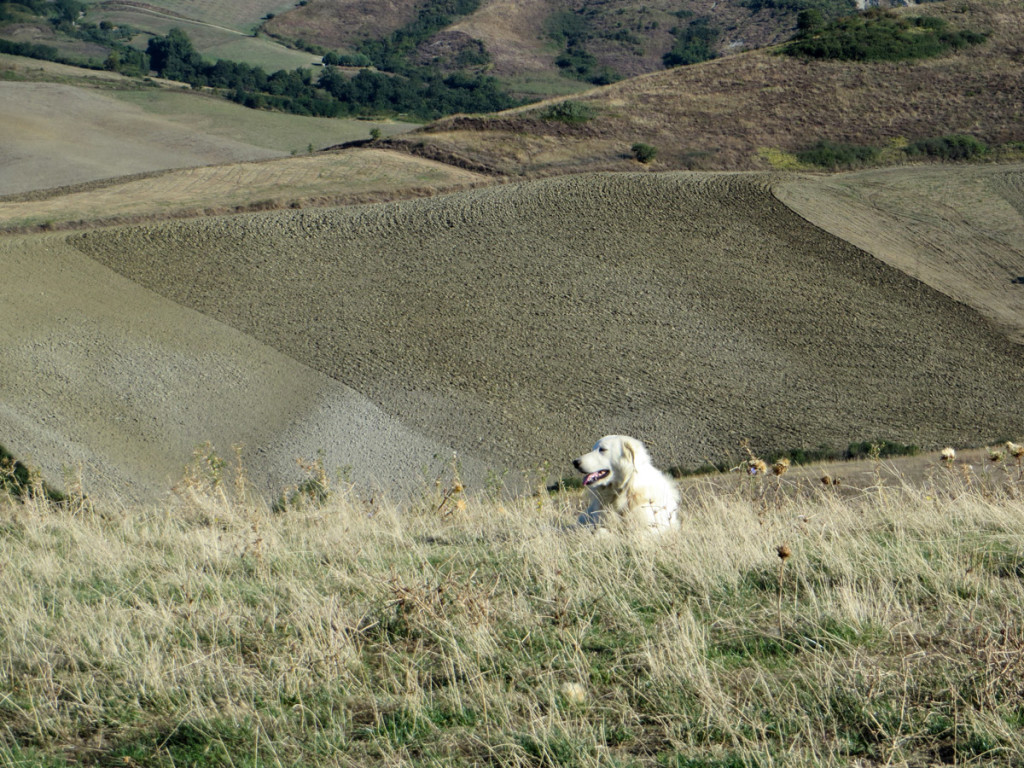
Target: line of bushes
{"x":419,"y":92}
{"x":837,"y":155}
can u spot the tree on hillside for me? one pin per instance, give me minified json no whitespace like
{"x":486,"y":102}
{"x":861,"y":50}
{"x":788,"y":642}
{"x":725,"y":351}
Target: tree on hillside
{"x":175,"y":58}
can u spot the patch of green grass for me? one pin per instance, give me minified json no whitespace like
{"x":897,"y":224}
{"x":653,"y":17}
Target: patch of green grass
{"x":212,"y":742}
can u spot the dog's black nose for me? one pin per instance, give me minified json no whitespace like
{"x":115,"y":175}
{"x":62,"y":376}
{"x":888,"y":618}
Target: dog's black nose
{"x":576,"y":463}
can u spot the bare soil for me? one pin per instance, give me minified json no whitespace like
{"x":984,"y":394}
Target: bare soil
{"x":957,"y":230}
{"x":108,"y":380}
{"x":518,"y":323}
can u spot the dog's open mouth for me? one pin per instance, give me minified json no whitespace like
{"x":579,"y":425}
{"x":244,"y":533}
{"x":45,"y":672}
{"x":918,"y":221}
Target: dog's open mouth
{"x":593,"y":477}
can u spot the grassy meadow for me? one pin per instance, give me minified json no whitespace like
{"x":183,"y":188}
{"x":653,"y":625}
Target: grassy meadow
{"x":457,"y":628}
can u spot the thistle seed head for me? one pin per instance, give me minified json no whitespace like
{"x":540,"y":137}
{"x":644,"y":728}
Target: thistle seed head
{"x":756,"y":467}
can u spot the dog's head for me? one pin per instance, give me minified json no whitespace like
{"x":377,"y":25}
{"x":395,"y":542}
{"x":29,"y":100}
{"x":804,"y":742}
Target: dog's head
{"x":612,"y":462}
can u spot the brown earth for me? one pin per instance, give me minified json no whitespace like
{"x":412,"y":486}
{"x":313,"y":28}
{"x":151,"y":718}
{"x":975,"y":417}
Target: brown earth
{"x":517,"y":323}
{"x":957,"y":230}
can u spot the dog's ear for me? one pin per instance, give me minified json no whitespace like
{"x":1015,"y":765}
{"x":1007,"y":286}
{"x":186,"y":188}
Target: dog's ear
{"x":629,"y":449}
{"x":636,"y":452}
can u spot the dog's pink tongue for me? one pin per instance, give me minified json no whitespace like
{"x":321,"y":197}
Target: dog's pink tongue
{"x":590,"y":478}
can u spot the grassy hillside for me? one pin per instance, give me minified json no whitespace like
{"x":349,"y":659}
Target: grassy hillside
{"x":213,"y":632}
{"x":754,"y":110}
{"x":337,"y":178}
{"x":518,"y":323}
{"x":219,"y":30}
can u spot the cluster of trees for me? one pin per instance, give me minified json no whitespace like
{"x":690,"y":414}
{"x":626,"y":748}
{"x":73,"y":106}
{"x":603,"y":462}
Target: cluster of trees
{"x":65,"y":17}
{"x":572,"y":30}
{"x":417,"y":92}
{"x":877,"y":35}
{"x":694,"y":43}
{"x":392,"y":53}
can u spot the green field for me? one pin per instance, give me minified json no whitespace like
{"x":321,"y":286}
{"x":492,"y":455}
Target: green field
{"x":274,"y":130}
{"x":216,"y":32}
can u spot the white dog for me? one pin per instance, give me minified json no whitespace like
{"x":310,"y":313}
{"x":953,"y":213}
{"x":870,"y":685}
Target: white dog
{"x":623,"y":483}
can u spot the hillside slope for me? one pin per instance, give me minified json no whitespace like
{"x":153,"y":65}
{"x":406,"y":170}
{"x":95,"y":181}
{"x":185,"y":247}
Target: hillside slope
{"x":957,"y":229}
{"x":518,"y":323}
{"x":524,"y":37}
{"x":105,"y":377}
{"x":723,"y":114}
{"x":56,"y":135}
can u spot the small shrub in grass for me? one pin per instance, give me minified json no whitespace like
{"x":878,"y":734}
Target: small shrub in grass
{"x":571,"y":112}
{"x":829,"y":154}
{"x":643,"y":153}
{"x":881,"y":449}
{"x":20,"y":480}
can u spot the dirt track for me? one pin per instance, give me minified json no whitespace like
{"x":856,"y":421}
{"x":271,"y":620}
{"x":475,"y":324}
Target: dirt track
{"x":519,"y":323}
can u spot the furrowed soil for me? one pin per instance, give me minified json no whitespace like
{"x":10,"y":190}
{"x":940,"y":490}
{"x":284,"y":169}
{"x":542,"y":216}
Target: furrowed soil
{"x":958,"y":230}
{"x":515,"y":324}
{"x":104,"y":378}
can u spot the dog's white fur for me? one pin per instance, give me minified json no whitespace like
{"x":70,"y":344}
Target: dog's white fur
{"x":626,"y":487}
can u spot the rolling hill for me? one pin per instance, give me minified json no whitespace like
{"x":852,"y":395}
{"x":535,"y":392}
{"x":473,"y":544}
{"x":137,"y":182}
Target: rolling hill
{"x":523,"y":40}
{"x":512,"y":324}
{"x":516,"y":323}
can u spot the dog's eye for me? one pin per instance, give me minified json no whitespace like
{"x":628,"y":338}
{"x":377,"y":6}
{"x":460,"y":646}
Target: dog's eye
{"x":602,"y":449}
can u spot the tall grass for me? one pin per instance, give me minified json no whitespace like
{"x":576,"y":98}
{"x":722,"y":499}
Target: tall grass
{"x":462,"y":630}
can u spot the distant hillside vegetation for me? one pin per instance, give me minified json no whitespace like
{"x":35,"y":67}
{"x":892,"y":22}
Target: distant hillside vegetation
{"x":596,"y":42}
{"x":760,"y":110}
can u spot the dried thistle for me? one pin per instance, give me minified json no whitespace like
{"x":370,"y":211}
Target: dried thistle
{"x":783,"y":552}
{"x":780,"y":467}
{"x":947,"y":456}
{"x":995,"y":456}
{"x":1015,"y":449}
{"x":756,"y":466}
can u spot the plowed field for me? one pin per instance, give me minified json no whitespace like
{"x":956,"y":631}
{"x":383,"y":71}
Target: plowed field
{"x":518,"y":323}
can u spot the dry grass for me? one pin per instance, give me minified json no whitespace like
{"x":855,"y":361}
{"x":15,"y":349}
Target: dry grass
{"x":352,"y":631}
{"x":321,"y":179}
